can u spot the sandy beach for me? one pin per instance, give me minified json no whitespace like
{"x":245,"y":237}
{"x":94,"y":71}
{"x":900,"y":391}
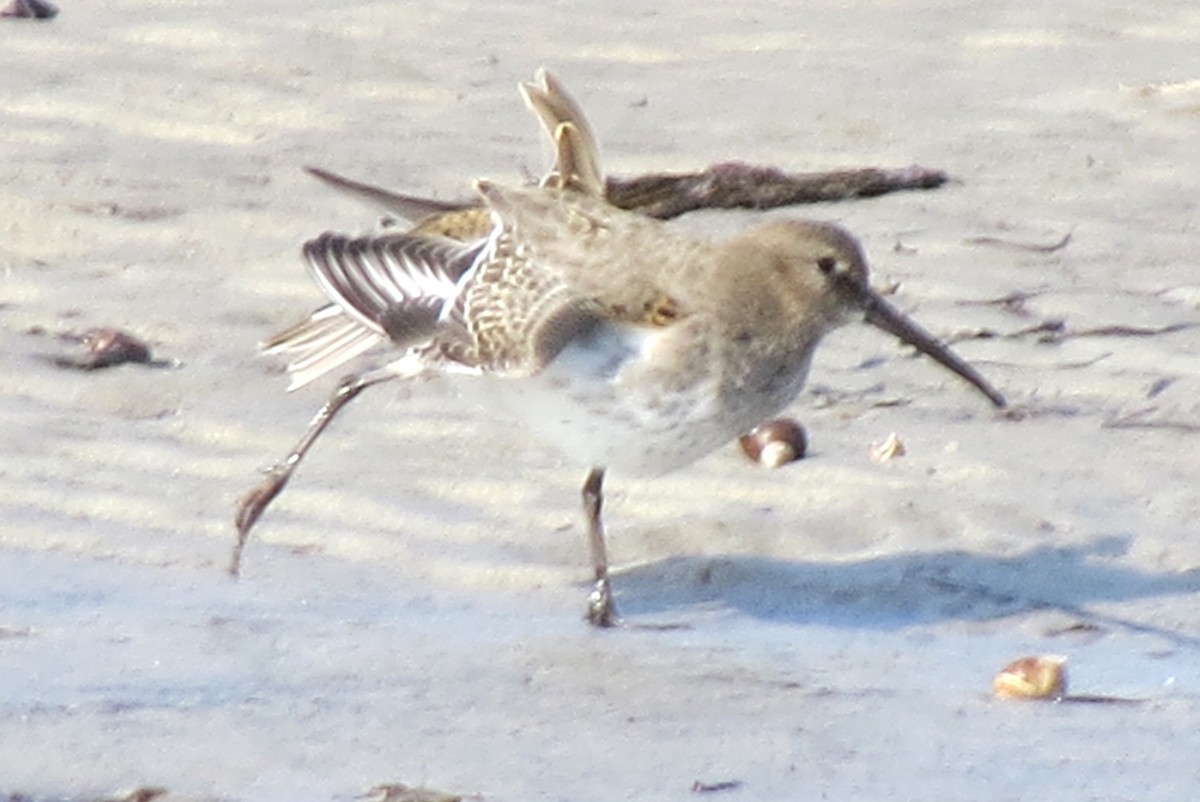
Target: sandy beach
{"x":410,"y":610}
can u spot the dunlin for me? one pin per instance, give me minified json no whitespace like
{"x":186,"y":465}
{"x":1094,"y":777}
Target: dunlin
{"x":622,"y":340}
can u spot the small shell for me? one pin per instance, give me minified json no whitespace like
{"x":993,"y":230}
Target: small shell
{"x":775,"y":443}
{"x":1042,"y":677}
{"x":888,"y":449}
{"x":108,"y":347}
{"x":142,"y":794}
{"x":29,"y":9}
{"x":104,"y":348}
{"x":398,"y":792}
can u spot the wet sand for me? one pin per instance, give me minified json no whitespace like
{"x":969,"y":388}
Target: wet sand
{"x":410,"y":610}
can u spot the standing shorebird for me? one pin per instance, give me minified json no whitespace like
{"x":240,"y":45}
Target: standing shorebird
{"x":627,"y":343}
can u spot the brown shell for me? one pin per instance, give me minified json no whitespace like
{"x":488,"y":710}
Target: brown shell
{"x":1043,"y":677}
{"x":775,"y":443}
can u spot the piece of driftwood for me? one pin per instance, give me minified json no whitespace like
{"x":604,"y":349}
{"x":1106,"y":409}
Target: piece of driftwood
{"x":735,"y":185}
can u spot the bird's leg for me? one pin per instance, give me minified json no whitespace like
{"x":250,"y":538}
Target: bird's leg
{"x":601,"y":611}
{"x":255,"y":503}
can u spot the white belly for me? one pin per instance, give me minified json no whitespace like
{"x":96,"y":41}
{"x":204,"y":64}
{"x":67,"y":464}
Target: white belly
{"x":626,"y":398}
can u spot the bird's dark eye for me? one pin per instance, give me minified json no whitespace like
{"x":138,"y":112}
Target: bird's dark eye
{"x":826,"y":264}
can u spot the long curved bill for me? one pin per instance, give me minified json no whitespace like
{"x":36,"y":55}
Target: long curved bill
{"x":883,"y":315}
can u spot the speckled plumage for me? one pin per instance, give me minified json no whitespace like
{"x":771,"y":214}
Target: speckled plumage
{"x":328,"y":338}
{"x":624,"y":341}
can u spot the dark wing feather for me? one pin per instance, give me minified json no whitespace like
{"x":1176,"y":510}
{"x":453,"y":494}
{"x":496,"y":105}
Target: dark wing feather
{"x":394,"y":284}
{"x":387,"y":289}
{"x":407,"y":207}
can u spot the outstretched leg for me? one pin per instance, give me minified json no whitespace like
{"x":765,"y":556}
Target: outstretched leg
{"x":601,"y":611}
{"x":255,"y":503}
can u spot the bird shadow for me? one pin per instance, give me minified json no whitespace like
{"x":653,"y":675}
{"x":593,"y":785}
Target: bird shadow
{"x":894,"y":591}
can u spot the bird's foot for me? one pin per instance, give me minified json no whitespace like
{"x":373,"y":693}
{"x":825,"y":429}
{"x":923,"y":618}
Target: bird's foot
{"x":601,"y":611}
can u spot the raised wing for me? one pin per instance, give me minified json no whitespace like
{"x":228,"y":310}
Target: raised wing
{"x":394,"y":284}
{"x":576,"y":152}
{"x":386,"y":289}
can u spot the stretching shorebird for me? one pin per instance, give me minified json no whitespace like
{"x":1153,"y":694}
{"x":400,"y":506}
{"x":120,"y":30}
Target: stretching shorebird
{"x":624,"y":341}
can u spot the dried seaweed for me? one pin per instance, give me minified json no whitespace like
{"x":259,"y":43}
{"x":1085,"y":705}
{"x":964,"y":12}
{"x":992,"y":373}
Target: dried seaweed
{"x":735,"y":185}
